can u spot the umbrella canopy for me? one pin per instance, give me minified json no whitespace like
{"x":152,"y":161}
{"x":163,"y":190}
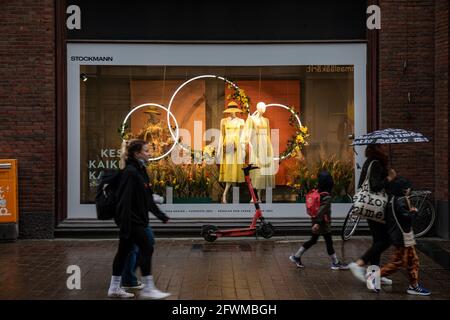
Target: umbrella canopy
{"x":389,"y":136}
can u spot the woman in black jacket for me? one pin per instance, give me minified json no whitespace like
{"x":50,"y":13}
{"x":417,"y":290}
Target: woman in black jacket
{"x":380,"y":179}
{"x":135,"y":200}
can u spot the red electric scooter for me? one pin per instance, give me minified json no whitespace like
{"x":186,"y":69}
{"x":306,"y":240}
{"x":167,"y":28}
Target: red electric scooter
{"x":210,"y":232}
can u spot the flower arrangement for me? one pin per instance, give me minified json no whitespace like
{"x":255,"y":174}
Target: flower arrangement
{"x":304,"y":179}
{"x":240,"y":96}
{"x":194,"y":180}
{"x":124,"y":131}
{"x":296,"y":143}
{"x":342,"y":173}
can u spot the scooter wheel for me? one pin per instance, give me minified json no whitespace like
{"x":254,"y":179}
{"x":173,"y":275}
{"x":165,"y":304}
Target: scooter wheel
{"x":267,"y":230}
{"x":208,"y":233}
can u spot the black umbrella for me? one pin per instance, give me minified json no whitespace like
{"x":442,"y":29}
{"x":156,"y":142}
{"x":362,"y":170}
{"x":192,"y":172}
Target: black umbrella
{"x":389,"y":136}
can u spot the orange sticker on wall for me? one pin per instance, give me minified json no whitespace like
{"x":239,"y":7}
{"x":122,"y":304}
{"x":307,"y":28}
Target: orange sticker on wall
{"x":8,"y":191}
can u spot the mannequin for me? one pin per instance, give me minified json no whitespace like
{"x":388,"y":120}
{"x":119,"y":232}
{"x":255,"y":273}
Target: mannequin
{"x":257,"y":135}
{"x":230,"y":151}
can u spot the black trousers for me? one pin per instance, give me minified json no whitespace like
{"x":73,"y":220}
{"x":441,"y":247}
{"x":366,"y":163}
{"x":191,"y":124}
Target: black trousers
{"x":380,"y":242}
{"x":315,"y":237}
{"x":138,"y":236}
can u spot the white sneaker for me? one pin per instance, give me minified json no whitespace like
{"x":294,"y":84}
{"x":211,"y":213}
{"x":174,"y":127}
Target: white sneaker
{"x":139,"y":286}
{"x":371,"y":282}
{"x":386,"y":281}
{"x":153,"y":294}
{"x":358,"y":272}
{"x":119,"y":293}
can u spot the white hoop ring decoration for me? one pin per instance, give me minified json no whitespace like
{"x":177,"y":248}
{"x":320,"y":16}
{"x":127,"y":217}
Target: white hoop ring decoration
{"x":177,"y":134}
{"x":291,"y":111}
{"x":185,"y":83}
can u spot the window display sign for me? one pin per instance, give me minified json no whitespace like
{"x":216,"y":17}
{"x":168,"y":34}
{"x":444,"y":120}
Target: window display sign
{"x":203,"y":123}
{"x":215,"y":20}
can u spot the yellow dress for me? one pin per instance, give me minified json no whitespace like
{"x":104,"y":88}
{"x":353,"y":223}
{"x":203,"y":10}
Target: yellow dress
{"x":230,"y":153}
{"x":257,"y":135}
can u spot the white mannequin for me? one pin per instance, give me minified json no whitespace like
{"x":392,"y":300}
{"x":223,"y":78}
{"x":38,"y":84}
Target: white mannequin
{"x":253,"y":123}
{"x":229,"y":184}
{"x":261,"y":108}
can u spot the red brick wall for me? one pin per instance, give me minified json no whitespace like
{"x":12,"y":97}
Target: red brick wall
{"x":441,"y":97}
{"x":407,"y":34}
{"x":27,"y":104}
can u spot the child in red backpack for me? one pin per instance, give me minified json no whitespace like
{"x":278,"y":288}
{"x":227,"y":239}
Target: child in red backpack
{"x":321,"y":225}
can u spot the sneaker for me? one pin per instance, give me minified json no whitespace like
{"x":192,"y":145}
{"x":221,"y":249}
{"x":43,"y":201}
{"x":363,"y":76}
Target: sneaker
{"x":418,"y":290}
{"x":357,"y":271}
{"x":119,"y":293}
{"x":339,"y":266}
{"x":138,"y":286}
{"x":371,"y":283}
{"x":297,"y":261}
{"x":386,"y":281}
{"x":153,"y":294}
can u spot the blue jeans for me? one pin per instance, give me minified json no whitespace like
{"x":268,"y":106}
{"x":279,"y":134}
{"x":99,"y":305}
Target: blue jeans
{"x":128,"y":274}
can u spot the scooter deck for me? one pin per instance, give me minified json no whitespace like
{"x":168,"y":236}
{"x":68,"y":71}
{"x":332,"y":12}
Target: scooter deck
{"x":235,"y":232}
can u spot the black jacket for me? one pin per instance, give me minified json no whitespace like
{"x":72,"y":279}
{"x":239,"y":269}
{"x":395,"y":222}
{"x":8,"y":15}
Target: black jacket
{"x":404,"y":217}
{"x":135,"y":199}
{"x":378,"y":175}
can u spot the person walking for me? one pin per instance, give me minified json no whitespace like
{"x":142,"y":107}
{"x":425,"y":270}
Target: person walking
{"x":321,"y":225}
{"x":129,"y":279}
{"x":135,"y":200}
{"x":380,"y":179}
{"x":400,"y":213}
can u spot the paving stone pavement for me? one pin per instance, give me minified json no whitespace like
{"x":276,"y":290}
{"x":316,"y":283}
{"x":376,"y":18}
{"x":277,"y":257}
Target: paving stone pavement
{"x":192,"y":269}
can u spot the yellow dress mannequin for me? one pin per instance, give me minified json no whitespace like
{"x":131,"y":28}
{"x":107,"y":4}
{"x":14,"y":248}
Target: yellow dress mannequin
{"x":257,"y":135}
{"x":230,"y":151}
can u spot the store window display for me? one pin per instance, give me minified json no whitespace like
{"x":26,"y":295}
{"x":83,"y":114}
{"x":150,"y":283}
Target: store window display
{"x":323,"y":100}
{"x":257,"y":136}
{"x":231,"y":151}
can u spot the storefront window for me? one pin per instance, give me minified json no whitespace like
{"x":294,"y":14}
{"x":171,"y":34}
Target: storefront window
{"x":322,"y":96}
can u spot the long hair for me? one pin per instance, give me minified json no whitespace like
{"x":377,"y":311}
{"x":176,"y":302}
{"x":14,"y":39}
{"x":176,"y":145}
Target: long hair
{"x":372,"y":152}
{"x":129,"y":149}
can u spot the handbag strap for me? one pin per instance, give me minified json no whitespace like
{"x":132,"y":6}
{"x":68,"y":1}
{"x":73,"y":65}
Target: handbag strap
{"x":395,"y":216}
{"x":368,"y":174}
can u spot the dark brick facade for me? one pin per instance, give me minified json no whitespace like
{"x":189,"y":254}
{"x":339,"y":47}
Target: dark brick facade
{"x":441,"y":98}
{"x":412,"y":61}
{"x":413,"y":88}
{"x":27,"y":107}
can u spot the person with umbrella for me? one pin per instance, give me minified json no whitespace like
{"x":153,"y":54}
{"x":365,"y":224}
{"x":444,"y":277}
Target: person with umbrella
{"x":379,"y":176}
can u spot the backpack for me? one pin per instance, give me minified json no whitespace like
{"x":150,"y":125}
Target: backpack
{"x":106,"y":198}
{"x":313,"y":202}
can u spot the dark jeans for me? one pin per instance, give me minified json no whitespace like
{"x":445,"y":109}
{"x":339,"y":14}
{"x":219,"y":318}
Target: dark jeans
{"x":380,"y":242}
{"x":129,"y":272}
{"x":139,"y":237}
{"x":313,"y":241}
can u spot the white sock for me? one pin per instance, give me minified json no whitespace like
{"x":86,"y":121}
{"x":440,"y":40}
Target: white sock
{"x":334,"y":258}
{"x":300,"y":252}
{"x":115,"y":282}
{"x":148,"y":282}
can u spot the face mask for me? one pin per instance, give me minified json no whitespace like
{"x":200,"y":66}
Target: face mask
{"x":143,"y":162}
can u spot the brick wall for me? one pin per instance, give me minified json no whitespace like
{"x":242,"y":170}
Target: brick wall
{"x":407,"y":34}
{"x":441,"y":99}
{"x":27,"y":105}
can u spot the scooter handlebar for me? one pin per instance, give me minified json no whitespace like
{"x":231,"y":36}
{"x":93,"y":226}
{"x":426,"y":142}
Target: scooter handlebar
{"x":248,"y":168}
